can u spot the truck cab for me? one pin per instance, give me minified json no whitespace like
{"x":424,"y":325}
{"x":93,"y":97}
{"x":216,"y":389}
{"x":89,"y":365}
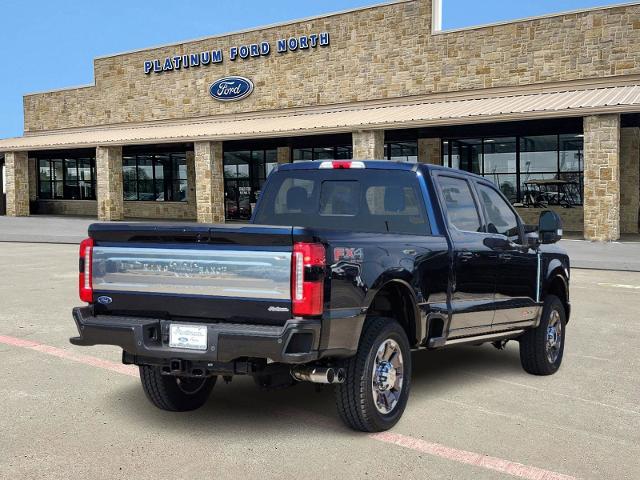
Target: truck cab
{"x":343,"y":270}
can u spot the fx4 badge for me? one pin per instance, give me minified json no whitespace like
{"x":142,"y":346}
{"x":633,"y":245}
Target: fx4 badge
{"x":344,"y":254}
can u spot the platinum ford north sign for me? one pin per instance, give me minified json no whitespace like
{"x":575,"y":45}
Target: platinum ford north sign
{"x":243,"y":52}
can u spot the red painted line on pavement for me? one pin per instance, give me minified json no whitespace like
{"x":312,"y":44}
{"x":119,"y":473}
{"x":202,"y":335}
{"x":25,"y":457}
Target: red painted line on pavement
{"x":469,"y":458}
{"x":67,"y":355}
{"x":434,"y":449}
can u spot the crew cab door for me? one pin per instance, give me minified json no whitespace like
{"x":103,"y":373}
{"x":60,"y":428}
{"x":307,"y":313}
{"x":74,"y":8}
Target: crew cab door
{"x":517,"y":267}
{"x":473,"y":282}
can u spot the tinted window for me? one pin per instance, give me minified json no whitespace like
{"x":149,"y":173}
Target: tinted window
{"x":500,"y":217}
{"x":355,"y":200}
{"x":461,"y":208}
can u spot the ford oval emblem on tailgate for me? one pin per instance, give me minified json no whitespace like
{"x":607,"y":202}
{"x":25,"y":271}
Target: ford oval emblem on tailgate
{"x":105,"y":300}
{"x":229,"y":89}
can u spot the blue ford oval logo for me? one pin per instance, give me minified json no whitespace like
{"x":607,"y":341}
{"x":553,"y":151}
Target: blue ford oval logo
{"x":229,"y":89}
{"x":105,"y":300}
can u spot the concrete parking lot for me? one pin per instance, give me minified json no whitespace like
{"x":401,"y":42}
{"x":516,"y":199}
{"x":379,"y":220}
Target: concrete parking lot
{"x":69,"y":412}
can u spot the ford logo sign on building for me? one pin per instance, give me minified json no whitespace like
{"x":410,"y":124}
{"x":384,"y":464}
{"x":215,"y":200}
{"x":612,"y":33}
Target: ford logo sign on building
{"x":230,"y":89}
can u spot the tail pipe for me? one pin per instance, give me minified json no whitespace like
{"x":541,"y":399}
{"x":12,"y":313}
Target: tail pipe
{"x":315,"y":374}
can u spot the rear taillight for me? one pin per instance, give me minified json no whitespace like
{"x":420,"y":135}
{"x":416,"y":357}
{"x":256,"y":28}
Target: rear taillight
{"x":85,"y":282}
{"x":307,"y":279}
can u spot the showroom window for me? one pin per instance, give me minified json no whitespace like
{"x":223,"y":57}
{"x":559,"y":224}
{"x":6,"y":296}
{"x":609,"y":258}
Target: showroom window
{"x":401,"y":151}
{"x":338,"y":152}
{"x":245,"y":172}
{"x":67,"y":177}
{"x":531,"y":171}
{"x":156,"y":177}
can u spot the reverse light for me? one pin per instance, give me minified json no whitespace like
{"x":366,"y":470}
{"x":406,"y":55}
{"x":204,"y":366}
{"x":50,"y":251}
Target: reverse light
{"x":85,"y":281}
{"x":307,"y":279}
{"x":340,"y":164}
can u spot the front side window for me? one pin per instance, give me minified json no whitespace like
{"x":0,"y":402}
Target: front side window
{"x":66,"y":178}
{"x":461,"y":207}
{"x":500,"y":217}
{"x":155,"y":177}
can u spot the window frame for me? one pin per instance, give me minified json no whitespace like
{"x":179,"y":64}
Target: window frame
{"x":447,"y":160}
{"x":492,"y":186}
{"x":172,"y":181}
{"x":63,"y":160}
{"x":474,"y":196}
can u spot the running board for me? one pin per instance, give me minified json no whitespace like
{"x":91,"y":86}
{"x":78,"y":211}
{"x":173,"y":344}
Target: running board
{"x":492,"y":337}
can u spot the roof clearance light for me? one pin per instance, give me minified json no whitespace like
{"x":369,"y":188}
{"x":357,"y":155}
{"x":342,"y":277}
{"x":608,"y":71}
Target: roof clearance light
{"x":339,"y":164}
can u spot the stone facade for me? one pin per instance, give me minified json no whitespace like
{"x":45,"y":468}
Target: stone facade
{"x":430,"y":151}
{"x":375,"y":53}
{"x":209,"y":182}
{"x":629,"y":179}
{"x":284,"y":155}
{"x":368,"y":145}
{"x":17,"y":176}
{"x":79,"y":208}
{"x":602,"y":177}
{"x":109,"y":183}
{"x":572,"y":218}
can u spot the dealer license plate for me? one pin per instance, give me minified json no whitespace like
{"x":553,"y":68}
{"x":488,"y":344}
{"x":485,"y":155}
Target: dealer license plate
{"x":192,"y":337}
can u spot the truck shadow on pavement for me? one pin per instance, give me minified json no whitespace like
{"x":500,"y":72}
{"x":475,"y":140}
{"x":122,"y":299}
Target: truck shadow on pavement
{"x":242,"y":407}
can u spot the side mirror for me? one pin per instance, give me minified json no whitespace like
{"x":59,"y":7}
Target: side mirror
{"x":549,"y":227}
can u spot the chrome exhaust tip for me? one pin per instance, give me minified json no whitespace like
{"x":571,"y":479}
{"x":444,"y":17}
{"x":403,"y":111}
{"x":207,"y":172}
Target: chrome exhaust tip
{"x":313,"y":374}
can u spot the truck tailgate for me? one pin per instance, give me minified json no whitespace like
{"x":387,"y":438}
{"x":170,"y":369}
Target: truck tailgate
{"x":225,"y":273}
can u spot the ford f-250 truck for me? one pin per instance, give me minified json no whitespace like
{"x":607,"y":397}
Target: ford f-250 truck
{"x":345,"y":268}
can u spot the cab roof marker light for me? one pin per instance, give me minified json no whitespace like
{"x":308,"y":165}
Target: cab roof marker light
{"x":339,"y":164}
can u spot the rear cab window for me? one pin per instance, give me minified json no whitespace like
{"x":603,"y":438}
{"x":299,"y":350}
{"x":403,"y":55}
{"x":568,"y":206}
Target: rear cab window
{"x":376,"y":201}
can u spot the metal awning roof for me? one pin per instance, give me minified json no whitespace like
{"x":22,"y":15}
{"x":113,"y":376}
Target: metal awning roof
{"x":575,"y":102}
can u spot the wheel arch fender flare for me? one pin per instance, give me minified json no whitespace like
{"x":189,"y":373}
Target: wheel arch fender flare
{"x":415,"y":326}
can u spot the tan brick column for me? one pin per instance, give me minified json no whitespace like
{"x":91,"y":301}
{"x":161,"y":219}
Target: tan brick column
{"x":284,"y":155}
{"x":602,"y":177}
{"x":209,"y":182}
{"x":430,"y":151}
{"x":17,"y":171}
{"x":368,"y":145}
{"x":33,"y":179}
{"x":629,"y":179}
{"x":109,"y":182}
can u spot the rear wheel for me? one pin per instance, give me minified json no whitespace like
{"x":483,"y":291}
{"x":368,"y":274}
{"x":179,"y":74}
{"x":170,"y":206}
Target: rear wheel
{"x":172,"y":393}
{"x":542,"y":348}
{"x":376,"y":389}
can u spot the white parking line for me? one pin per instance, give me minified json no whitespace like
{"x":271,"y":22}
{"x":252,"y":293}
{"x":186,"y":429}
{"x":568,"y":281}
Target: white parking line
{"x":460,"y":456}
{"x":619,"y":285}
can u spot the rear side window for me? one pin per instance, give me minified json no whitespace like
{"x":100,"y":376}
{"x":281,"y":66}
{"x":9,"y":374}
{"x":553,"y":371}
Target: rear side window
{"x":376,"y":201}
{"x":500,"y":217}
{"x":461,"y":207}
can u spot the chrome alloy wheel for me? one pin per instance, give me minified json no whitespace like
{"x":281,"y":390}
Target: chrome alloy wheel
{"x":554,"y":337}
{"x":387,"y":376}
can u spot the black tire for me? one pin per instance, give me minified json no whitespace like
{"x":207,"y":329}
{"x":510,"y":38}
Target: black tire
{"x":355,"y":397}
{"x":175,"y":394}
{"x":536,"y":356}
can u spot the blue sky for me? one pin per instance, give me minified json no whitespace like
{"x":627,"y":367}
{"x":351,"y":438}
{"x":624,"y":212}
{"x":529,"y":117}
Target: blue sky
{"x":48,"y":44}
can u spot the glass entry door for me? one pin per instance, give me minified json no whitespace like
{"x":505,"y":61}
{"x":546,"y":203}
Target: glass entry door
{"x":245,"y":172}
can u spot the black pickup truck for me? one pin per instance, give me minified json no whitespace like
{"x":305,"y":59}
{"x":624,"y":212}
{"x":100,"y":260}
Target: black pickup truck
{"x":345,"y":268}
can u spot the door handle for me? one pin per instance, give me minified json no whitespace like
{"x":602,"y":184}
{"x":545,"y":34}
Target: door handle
{"x":505,"y":257}
{"x":465,"y":256}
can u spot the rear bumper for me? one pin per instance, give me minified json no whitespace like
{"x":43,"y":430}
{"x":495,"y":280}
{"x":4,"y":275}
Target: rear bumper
{"x":295,"y":342}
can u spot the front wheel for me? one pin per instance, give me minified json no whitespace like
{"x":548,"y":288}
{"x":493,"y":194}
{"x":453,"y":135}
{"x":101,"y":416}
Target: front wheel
{"x":376,"y":389}
{"x":542,"y":348}
{"x":175,"y":394}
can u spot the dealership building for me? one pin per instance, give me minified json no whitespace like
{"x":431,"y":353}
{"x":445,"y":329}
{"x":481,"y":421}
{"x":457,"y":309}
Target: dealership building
{"x":548,"y":108}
